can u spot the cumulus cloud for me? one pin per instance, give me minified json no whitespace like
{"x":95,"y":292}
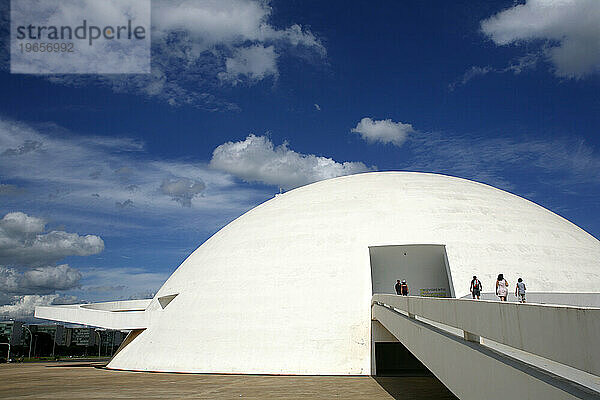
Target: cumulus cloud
{"x":27,"y":254}
{"x":182,"y":190}
{"x":226,"y":22}
{"x":40,"y":280}
{"x":256,"y":159}
{"x":254,"y":63}
{"x":25,"y":305}
{"x":568,"y":30}
{"x":23,"y":241}
{"x":60,"y":277}
{"x":383,"y":131}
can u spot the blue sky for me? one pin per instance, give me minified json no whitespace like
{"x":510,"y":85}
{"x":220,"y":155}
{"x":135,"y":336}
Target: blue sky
{"x":247,"y":97}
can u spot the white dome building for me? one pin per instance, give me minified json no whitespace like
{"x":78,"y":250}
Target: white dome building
{"x":286,"y":288}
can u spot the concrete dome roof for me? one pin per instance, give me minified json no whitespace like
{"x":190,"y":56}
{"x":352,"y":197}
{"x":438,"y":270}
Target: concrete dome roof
{"x":286,"y":287}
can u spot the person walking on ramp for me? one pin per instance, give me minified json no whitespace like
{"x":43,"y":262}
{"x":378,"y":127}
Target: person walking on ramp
{"x":476,"y":287}
{"x":520,"y":290}
{"x":501,"y":287}
{"x":404,"y":288}
{"x":398,"y":287}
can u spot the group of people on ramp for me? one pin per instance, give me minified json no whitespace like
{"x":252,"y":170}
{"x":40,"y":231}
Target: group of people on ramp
{"x":476,"y":288}
{"x":401,"y":288}
{"x":501,"y":288}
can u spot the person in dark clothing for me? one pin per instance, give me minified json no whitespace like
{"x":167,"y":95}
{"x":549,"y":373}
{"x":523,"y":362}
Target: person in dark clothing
{"x":476,"y":287}
{"x":404,"y":288}
{"x":398,"y":287}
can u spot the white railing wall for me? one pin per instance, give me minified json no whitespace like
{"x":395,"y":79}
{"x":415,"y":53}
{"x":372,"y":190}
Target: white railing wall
{"x":117,"y":318}
{"x":565,"y":334}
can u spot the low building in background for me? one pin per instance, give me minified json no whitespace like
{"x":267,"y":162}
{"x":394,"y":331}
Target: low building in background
{"x":43,"y":340}
{"x":56,"y":331}
{"x":12,"y":331}
{"x":111,"y":340}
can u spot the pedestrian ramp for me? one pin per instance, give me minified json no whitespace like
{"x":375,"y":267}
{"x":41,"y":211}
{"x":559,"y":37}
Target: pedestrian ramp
{"x":495,"y":350}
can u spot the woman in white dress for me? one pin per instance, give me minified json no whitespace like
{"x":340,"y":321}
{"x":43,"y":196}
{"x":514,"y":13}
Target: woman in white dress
{"x":501,"y":287}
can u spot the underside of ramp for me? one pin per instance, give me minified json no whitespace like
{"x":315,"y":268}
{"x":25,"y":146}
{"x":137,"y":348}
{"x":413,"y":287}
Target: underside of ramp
{"x":471,"y":370}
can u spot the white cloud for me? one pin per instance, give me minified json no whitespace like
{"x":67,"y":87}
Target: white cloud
{"x":212,"y":21}
{"x":18,"y":225}
{"x":23,"y":242}
{"x":253,"y":63}
{"x":226,"y":22}
{"x":39,"y":280}
{"x":569,"y":29}
{"x":21,"y":291}
{"x":256,"y":159}
{"x":182,"y":190}
{"x":59,"y":277}
{"x":27,"y":252}
{"x":383,"y":131}
{"x":25,"y":305}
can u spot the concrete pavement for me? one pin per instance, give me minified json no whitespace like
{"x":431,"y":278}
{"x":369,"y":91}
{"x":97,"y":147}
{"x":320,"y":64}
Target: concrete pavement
{"x":76,"y":380}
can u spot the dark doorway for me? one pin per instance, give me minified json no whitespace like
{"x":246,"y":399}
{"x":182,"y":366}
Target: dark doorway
{"x":393,"y":359}
{"x":404,"y":377}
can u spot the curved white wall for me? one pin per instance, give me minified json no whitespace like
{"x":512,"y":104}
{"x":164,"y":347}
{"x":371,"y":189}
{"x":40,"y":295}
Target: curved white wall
{"x":286,"y":288}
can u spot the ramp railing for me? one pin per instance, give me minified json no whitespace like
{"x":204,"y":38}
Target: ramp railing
{"x":564,"y":334}
{"x":127,"y":314}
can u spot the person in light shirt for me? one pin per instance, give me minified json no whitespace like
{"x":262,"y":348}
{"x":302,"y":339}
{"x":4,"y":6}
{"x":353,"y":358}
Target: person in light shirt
{"x":520,"y":290}
{"x":501,"y":287}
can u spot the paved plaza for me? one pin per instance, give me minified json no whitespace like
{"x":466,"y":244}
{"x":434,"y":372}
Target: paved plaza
{"x":83,"y":380}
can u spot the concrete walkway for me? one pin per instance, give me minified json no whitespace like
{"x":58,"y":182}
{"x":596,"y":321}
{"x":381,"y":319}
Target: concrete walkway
{"x":72,"y":380}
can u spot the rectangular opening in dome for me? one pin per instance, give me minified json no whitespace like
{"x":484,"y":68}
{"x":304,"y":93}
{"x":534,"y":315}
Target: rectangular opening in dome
{"x":423,"y":266}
